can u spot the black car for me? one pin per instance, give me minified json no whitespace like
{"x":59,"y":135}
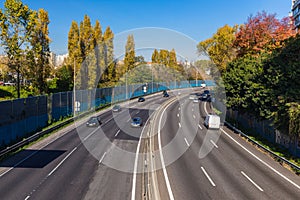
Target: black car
{"x":93,"y":121}
{"x":141,"y":99}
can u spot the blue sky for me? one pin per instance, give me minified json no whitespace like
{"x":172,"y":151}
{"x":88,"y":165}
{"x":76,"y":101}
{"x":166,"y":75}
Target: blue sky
{"x":197,"y":19}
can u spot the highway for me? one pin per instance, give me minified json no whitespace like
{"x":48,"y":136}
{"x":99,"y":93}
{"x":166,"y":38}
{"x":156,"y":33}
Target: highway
{"x":76,"y":163}
{"x":172,"y":156}
{"x":218,"y":164}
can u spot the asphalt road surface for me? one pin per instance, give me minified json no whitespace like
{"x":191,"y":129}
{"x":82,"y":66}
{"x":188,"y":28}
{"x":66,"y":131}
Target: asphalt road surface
{"x":186,"y":161}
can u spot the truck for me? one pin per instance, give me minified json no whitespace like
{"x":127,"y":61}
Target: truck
{"x":212,"y":121}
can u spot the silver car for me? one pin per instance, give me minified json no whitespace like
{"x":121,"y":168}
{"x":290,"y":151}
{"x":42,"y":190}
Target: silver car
{"x":116,"y":108}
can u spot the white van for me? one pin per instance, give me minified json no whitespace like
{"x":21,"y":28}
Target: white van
{"x":212,"y":121}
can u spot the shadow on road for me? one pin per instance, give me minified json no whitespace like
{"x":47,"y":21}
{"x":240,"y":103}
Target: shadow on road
{"x":35,"y":158}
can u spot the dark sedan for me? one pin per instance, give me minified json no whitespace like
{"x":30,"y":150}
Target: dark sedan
{"x":141,"y":99}
{"x":93,"y":121}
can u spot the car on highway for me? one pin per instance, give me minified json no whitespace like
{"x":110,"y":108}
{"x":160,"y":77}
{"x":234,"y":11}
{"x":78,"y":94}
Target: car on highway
{"x":141,"y":99}
{"x":136,"y":122}
{"x":166,"y":95}
{"x":192,"y":96}
{"x":204,"y":97}
{"x":93,"y":122}
{"x":196,"y":100}
{"x":116,"y":108}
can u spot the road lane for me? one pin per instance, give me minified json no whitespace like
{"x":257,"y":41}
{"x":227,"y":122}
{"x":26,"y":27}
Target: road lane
{"x":64,"y":168}
{"x":224,"y":165}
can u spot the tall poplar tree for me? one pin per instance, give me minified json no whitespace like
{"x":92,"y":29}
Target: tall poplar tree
{"x":155,"y":56}
{"x":129,"y":59}
{"x":109,"y":54}
{"x":99,"y":50}
{"x":40,"y":51}
{"x":74,"y":58}
{"x":88,"y":65}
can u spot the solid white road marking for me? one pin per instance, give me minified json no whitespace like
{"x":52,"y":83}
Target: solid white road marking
{"x":128,"y":119}
{"x":94,"y":131}
{"x":208,"y":177}
{"x":186,"y":142}
{"x":194,"y":116}
{"x":102,"y":157}
{"x":179,"y":124}
{"x":136,"y":163}
{"x":205,"y":110}
{"x":257,"y":186}
{"x":117,"y":133}
{"x":108,"y":120}
{"x":61,"y":162}
{"x":171,"y":196}
{"x":214,"y":144}
{"x":200,"y":126}
{"x":27,"y":197}
{"x":274,"y":170}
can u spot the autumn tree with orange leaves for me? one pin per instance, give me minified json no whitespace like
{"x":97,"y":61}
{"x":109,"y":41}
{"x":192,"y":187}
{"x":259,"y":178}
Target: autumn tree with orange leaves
{"x":262,"y":33}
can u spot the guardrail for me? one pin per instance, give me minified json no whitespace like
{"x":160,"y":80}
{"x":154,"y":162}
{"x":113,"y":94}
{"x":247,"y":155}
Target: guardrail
{"x":277,"y":157}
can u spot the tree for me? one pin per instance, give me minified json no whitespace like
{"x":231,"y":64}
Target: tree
{"x":262,"y":33}
{"x":109,"y":54}
{"x":155,"y":56}
{"x":129,"y":59}
{"x":164,"y":57}
{"x":88,"y":65}
{"x":220,"y":47}
{"x":281,"y":76}
{"x":74,"y":51}
{"x":99,"y":50}
{"x":40,"y":51}
{"x":17,"y":22}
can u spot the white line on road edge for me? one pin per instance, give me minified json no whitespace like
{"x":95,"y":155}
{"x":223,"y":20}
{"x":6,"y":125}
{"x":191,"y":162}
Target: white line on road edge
{"x":186,"y":142}
{"x":162,"y":158}
{"x":200,"y":126}
{"x":210,"y":180}
{"x":94,"y":131}
{"x":136,"y":163}
{"x":205,"y":110}
{"x":108,"y":120}
{"x":117,"y":133}
{"x":27,"y":197}
{"x":179,"y":124}
{"x":263,"y":162}
{"x":257,"y":186}
{"x":61,"y":162}
{"x":102,"y":157}
{"x":214,"y":144}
